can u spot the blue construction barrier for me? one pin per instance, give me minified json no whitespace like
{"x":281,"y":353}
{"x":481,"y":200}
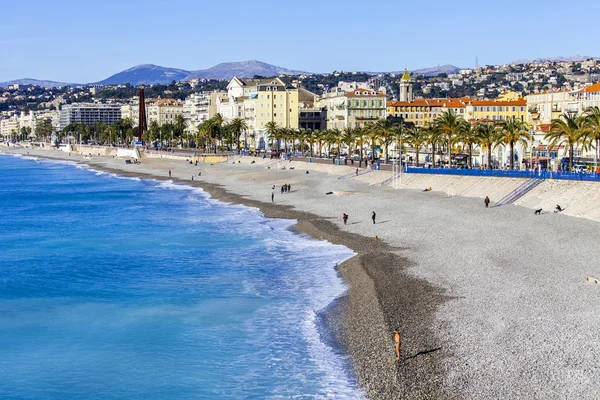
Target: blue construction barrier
{"x":572,"y":176}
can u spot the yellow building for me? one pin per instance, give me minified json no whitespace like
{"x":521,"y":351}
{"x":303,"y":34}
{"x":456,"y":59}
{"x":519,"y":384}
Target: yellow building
{"x":421,"y":112}
{"x":497,"y":110}
{"x":264,"y":101}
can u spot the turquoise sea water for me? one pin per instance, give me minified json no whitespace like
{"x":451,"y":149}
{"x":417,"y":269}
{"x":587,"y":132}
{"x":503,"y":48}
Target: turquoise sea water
{"x":120,"y":288}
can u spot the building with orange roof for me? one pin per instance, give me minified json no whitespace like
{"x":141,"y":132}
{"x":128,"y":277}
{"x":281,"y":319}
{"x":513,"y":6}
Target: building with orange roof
{"x":588,"y":97}
{"x":421,"y":112}
{"x":497,"y":109}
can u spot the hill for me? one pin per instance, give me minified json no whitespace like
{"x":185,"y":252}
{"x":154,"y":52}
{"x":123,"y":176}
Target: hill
{"x":36,"y":82}
{"x":243,"y":69}
{"x":145,"y":74}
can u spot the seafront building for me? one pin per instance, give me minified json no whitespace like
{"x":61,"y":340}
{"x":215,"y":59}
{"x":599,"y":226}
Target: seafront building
{"x":263,"y":102}
{"x":352,"y":109}
{"x":89,"y":114}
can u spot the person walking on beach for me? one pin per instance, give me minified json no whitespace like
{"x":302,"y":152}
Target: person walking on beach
{"x":486,"y":201}
{"x":345,"y":218}
{"x":373,"y":217}
{"x":397,"y":343}
{"x":169,"y":173}
{"x":356,"y":171}
{"x":273,"y":197}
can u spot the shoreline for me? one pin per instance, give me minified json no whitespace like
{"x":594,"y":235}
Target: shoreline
{"x":484,"y":297}
{"x":370,"y":309}
{"x":367,"y":320}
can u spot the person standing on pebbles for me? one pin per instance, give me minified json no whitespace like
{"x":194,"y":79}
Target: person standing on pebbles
{"x":373,"y":217}
{"x":397,"y":342}
{"x":486,"y":201}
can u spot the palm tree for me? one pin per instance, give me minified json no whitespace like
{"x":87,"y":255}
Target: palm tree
{"x":514,"y":131}
{"x":179,"y":126}
{"x":434,"y":137}
{"x":467,"y":134}
{"x":568,"y":129}
{"x":348,"y":137}
{"x":212,"y":129}
{"x":386,"y":133}
{"x":273,"y":132}
{"x":320,"y":137}
{"x":373,"y":134}
{"x":592,"y":132}
{"x":331,"y":137}
{"x":417,"y":137}
{"x":237,"y":127}
{"x":448,"y":124}
{"x":488,"y":137}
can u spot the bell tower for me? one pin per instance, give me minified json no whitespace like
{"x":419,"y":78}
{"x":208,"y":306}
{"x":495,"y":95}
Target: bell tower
{"x":406,"y":87}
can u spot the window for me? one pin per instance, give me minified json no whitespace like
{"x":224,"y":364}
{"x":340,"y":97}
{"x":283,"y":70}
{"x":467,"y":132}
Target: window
{"x":514,"y":109}
{"x":274,"y":114}
{"x":274,"y":105}
{"x":522,"y":109}
{"x":268,"y":97}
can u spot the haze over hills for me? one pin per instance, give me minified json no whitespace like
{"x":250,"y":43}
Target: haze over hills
{"x":575,"y":58}
{"x":149,"y":74}
{"x":36,"y":82}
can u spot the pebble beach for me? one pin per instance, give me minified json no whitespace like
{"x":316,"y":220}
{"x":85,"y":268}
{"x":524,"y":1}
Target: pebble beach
{"x":490,"y":302}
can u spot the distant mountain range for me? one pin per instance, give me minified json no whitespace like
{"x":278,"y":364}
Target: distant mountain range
{"x":36,"y":82}
{"x":553,"y":59}
{"x":149,"y":74}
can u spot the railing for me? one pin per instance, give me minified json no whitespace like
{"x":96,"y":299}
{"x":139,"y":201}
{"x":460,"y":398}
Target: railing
{"x":519,"y":192}
{"x":573,"y":176}
{"x":361,"y":171}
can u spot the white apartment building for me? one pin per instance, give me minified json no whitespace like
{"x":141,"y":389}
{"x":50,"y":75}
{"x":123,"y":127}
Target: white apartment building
{"x":196,"y":110}
{"x":88,"y":114}
{"x":9,"y":127}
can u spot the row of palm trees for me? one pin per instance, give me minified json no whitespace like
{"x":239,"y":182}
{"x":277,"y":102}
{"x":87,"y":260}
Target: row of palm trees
{"x":447,"y":133}
{"x":120,"y":132}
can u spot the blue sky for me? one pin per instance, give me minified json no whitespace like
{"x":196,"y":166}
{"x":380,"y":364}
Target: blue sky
{"x":85,"y":41}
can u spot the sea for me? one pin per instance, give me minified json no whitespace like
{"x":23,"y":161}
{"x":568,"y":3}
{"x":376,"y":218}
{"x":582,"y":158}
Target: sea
{"x":114,"y":287}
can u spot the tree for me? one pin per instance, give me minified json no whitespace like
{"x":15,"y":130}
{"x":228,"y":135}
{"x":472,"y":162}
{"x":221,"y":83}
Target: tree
{"x":179,"y":126}
{"x":237,"y":127}
{"x":417,"y":137}
{"x":568,"y":129}
{"x":434,"y":137}
{"x":467,"y":134}
{"x":488,"y":137}
{"x":591,"y":136}
{"x":273,"y":132}
{"x":348,"y":137}
{"x":514,"y":131}
{"x":373,"y":134}
{"x":448,"y":123}
{"x":386,"y":133}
